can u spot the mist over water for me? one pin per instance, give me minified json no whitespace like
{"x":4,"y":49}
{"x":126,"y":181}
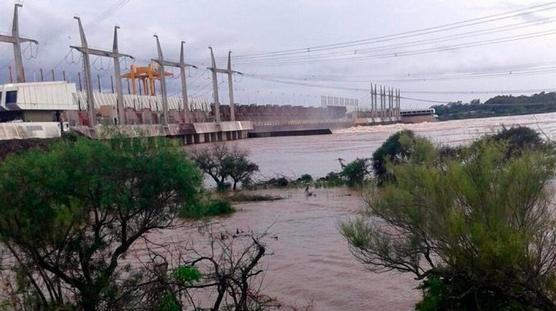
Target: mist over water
{"x":309,"y":261}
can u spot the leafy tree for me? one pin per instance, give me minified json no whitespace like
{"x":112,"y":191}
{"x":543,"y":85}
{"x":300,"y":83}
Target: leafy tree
{"x":69,"y":216}
{"x":305,"y":179}
{"x":478,"y":231}
{"x":221,"y":162}
{"x":210,"y":160}
{"x":518,"y":139}
{"x":397,"y":149}
{"x":356,"y":172}
{"x":238,"y":167}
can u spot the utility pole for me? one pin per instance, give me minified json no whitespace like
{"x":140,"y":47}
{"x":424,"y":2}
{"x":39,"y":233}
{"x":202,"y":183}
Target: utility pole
{"x":115,"y":55}
{"x":398,"y":105}
{"x":230,"y":73}
{"x":390,"y":104}
{"x":373,"y":103}
{"x":182,"y":66}
{"x":16,"y":41}
{"x":214,"y":87}
{"x":382,"y":113}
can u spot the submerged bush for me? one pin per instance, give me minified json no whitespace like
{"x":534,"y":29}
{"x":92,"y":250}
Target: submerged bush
{"x":207,"y":207}
{"x":187,"y":274}
{"x":332,"y":179}
{"x":305,"y":178}
{"x":356,"y":172}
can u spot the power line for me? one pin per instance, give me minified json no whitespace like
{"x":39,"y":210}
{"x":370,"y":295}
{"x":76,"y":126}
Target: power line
{"x":416,"y":52}
{"x":109,"y":12}
{"x":485,"y":92}
{"x":520,"y":91}
{"x":508,"y":72}
{"x":451,"y":37}
{"x":419,"y":32}
{"x":405,"y":91}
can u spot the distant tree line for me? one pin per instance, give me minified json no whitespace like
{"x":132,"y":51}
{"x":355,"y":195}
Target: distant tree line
{"x":502,"y":105}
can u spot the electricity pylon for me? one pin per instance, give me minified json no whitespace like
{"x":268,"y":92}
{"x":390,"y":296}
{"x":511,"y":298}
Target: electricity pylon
{"x":115,"y":55}
{"x":182,"y":66}
{"x":16,"y":41}
{"x":230,"y":73}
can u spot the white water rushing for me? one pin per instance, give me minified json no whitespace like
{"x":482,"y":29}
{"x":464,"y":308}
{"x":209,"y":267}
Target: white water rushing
{"x":317,"y":155}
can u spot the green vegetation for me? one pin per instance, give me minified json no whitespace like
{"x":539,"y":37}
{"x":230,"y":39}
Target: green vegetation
{"x":498,"y":106}
{"x":305,"y":178}
{"x":71,"y":217}
{"x":353,"y":174}
{"x":356,"y":172}
{"x":475,"y":226}
{"x":187,"y":274}
{"x":222,"y":163}
{"x":70,"y":214}
{"x":332,"y":179}
{"x":397,"y":149}
{"x":206,"y":207}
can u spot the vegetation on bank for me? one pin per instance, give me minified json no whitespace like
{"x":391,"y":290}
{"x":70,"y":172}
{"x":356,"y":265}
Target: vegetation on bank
{"x":473,"y":224}
{"x":75,"y":222}
{"x":498,"y":106}
{"x":227,"y":166}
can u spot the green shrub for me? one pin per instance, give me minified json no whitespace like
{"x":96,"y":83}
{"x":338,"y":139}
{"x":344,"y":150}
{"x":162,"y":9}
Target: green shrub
{"x":187,"y":274}
{"x":479,"y":230}
{"x":73,"y":212}
{"x":516,"y":139}
{"x":206,"y":208}
{"x":332,"y":179}
{"x":396,"y":149}
{"x":169,"y":302}
{"x":356,"y":172}
{"x":305,"y":178}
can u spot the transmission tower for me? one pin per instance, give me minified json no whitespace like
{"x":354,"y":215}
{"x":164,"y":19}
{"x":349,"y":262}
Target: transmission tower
{"x":16,"y":41}
{"x":115,"y":55}
{"x":182,"y":66}
{"x":230,"y":73}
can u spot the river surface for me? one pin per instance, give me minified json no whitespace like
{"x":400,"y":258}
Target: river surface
{"x":310,"y":262}
{"x":317,"y":155}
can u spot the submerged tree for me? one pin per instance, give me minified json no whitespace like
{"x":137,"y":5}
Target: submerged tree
{"x":221,"y":162}
{"x":210,"y":161}
{"x":478,"y":232}
{"x":356,"y":172}
{"x":238,"y":166}
{"x":69,"y":216}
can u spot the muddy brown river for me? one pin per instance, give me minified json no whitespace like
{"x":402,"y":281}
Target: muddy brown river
{"x":310,"y":262}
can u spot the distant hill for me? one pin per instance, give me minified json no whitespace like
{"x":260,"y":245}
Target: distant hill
{"x":502,"y":105}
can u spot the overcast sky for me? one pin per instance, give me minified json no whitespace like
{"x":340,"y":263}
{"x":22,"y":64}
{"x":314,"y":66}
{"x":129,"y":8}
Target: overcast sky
{"x":254,"y":26}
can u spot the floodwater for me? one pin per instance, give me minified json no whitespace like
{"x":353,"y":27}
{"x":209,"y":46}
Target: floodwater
{"x":317,"y":155}
{"x":310,"y":262}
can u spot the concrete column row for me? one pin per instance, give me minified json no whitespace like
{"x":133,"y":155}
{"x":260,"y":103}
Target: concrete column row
{"x":191,"y":139}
